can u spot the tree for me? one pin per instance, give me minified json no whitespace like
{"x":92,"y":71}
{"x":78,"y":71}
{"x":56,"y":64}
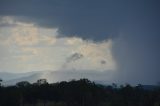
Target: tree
{"x":114,"y":85}
{"x":1,"y":82}
{"x":42,"y":81}
{"x":23,"y":84}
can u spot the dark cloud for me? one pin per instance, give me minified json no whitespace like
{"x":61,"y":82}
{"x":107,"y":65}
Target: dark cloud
{"x":137,"y":58}
{"x":103,"y":62}
{"x":74,"y":57}
{"x":89,"y":19}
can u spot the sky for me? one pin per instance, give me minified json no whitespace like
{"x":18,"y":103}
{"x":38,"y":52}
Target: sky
{"x":102,"y":36}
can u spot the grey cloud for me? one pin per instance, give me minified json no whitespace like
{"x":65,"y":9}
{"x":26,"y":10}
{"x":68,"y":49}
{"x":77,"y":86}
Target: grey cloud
{"x":103,"y":62}
{"x":137,"y":59}
{"x":88,"y":19}
{"x":74,"y":57}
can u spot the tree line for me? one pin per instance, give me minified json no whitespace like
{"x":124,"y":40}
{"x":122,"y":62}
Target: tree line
{"x":81,"y":92}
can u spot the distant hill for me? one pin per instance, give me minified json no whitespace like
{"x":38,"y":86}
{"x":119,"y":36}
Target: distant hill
{"x":57,"y":76}
{"x":52,"y":76}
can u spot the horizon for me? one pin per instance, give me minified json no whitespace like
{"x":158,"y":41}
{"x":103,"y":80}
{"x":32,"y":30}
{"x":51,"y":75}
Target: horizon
{"x":20,"y":77}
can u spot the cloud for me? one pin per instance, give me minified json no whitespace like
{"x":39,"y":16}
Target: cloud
{"x":74,"y":41}
{"x":6,"y":20}
{"x":84,"y":28}
{"x":29,"y":50}
{"x":34,"y":46}
{"x":90,"y":54}
{"x":103,"y":62}
{"x":69,"y":16}
{"x":74,"y":57}
{"x":26,"y":34}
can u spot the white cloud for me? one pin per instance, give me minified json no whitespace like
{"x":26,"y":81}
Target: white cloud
{"x":74,"y":41}
{"x":25,"y":34}
{"x":94,"y":54}
{"x":30,"y":48}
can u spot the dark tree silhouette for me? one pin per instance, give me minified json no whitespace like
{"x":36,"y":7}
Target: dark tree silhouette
{"x":1,"y":82}
{"x":77,"y":93}
{"x":23,"y":84}
{"x":42,"y":81}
